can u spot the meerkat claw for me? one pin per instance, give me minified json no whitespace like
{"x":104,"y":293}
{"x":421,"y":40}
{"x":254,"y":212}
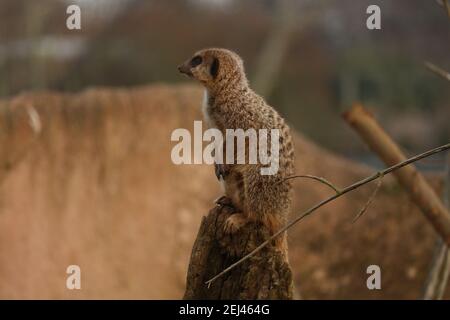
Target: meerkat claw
{"x":234,"y":223}
{"x":224,"y":201}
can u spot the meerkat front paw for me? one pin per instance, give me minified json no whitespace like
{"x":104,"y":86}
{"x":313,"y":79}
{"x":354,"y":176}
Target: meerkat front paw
{"x":234,"y":223}
{"x":224,"y":201}
{"x":221,"y":170}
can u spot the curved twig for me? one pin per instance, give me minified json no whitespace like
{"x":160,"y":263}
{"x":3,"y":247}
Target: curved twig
{"x":320,"y":179}
{"x":446,"y":5}
{"x":437,"y":70}
{"x":372,"y":197}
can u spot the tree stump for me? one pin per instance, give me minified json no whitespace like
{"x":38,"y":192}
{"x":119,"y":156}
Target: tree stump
{"x":266,"y":275}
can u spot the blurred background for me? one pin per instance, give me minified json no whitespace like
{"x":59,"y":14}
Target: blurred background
{"x":310,"y":59}
{"x":86,"y":117}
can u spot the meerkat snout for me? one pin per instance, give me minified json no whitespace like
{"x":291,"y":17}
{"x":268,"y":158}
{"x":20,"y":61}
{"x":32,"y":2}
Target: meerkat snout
{"x":183,"y":68}
{"x":191,"y":65}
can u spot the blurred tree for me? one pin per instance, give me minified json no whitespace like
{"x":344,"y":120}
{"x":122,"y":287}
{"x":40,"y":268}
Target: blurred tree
{"x":274,"y":50}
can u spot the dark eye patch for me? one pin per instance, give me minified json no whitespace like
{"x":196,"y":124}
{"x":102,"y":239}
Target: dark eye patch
{"x":214,"y":68}
{"x":196,"y":61}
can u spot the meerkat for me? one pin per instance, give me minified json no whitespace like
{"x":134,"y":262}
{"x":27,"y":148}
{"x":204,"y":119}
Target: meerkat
{"x":229,"y":103}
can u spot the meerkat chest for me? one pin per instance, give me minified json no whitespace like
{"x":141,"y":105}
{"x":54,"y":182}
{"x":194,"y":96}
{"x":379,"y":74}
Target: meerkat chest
{"x":206,"y":109}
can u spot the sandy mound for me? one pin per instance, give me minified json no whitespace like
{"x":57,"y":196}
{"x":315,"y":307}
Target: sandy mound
{"x":97,"y":188}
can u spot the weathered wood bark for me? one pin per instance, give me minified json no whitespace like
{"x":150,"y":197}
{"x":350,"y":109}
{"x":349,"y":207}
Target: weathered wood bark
{"x":267,"y":275}
{"x":414,"y":183}
{"x":270,"y":60}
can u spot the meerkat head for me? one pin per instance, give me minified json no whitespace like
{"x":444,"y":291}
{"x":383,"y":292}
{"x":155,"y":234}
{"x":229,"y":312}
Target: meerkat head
{"x":215,"y":68}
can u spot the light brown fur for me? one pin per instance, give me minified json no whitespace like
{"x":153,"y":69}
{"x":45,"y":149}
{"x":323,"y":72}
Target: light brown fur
{"x":231,"y":104}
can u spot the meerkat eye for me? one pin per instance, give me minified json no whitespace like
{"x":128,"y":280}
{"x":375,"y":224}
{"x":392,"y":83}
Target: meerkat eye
{"x":196,"y":61}
{"x":214,"y":70}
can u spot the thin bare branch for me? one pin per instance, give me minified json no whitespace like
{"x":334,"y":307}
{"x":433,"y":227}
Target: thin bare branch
{"x":320,"y":179}
{"x":444,"y":275}
{"x":438,"y":275}
{"x":447,"y":7}
{"x":352,"y":187}
{"x":271,"y":58}
{"x":368,"y":203}
{"x":439,"y":71}
{"x":446,"y":265}
{"x":445,"y":4}
{"x":437,"y":279}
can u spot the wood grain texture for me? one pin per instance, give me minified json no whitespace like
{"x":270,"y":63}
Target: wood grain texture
{"x":267,"y":275}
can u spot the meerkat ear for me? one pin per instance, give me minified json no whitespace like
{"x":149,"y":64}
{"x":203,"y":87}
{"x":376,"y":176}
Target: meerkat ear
{"x":214,"y":69}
